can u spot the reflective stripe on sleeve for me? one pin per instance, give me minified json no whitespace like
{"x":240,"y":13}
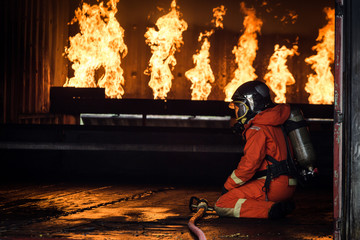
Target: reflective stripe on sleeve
{"x":237,"y":207}
{"x":237,"y":180}
{"x":255,"y":128}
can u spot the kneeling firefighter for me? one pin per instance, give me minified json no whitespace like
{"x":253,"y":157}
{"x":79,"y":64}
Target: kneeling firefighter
{"x":263,"y":184}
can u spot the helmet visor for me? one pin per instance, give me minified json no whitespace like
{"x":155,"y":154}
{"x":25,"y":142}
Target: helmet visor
{"x":241,"y":109}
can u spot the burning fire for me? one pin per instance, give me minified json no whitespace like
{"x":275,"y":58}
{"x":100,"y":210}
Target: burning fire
{"x":321,"y":84}
{"x":100,"y":43}
{"x":291,"y":17}
{"x":279,"y":75}
{"x":163,"y":44}
{"x":201,"y":75}
{"x":218,"y":14}
{"x":245,"y":52}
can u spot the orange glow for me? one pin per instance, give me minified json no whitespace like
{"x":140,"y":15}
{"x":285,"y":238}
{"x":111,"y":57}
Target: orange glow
{"x":321,"y":84}
{"x":218,"y":14}
{"x":163,"y":43}
{"x":100,"y":44}
{"x":291,"y":17}
{"x":279,"y":75}
{"x":202,"y":75}
{"x":245,"y":52}
{"x":312,"y":237}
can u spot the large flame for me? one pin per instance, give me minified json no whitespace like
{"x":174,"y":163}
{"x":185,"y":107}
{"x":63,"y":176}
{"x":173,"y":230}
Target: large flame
{"x":163,"y":44}
{"x":245,"y":52}
{"x":279,"y":76}
{"x":201,"y":75}
{"x":100,"y":43}
{"x":321,"y":84}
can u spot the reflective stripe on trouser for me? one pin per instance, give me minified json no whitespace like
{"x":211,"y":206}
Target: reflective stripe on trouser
{"x":248,"y":200}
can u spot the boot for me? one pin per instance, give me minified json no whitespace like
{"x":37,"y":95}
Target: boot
{"x":281,"y":209}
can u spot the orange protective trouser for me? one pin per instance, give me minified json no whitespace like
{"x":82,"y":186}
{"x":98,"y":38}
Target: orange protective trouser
{"x":249,"y":200}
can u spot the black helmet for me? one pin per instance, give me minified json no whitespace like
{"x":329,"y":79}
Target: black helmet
{"x":250,"y":98}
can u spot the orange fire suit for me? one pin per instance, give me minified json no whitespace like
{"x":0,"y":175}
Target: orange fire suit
{"x":245,"y":197}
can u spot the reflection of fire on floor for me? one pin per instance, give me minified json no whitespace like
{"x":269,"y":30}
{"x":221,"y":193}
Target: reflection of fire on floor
{"x":145,"y":212}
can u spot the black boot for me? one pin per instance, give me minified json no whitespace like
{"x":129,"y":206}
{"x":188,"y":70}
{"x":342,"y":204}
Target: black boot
{"x":281,"y":209}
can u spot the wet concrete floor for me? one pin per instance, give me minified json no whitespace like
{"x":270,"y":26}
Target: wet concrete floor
{"x":128,"y":211}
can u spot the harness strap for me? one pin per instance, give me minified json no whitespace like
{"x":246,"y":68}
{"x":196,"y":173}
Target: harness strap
{"x":277,"y":168}
{"x":259,"y":174}
{"x":291,"y":125}
{"x":289,"y":157}
{"x":273,"y":171}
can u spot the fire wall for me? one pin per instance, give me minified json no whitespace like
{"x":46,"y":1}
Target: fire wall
{"x":37,"y":32}
{"x":276,"y":28}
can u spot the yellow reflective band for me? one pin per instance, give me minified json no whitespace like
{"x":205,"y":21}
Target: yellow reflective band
{"x":237,"y":207}
{"x":224,"y":212}
{"x":292,"y":182}
{"x":237,"y":180}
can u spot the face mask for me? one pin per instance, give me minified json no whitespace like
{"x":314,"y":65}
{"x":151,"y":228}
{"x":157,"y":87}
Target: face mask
{"x":241,"y":109}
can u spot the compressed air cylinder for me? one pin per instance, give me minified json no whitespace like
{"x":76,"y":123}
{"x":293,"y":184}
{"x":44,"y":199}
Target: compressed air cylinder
{"x":300,"y":139}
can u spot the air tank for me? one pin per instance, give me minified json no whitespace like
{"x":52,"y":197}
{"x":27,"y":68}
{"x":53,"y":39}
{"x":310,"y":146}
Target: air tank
{"x":299,"y":136}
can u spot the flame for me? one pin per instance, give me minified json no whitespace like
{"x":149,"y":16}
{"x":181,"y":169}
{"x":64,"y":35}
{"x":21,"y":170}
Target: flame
{"x":279,"y":75}
{"x":202,"y":75}
{"x":163,"y":44}
{"x":321,"y":84}
{"x":291,"y":17}
{"x":100,"y":43}
{"x":218,"y":14}
{"x":245,"y":52}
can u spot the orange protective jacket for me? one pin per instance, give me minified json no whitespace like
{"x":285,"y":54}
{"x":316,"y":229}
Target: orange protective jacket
{"x":263,"y":137}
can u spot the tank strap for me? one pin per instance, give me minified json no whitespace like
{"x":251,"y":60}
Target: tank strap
{"x":292,"y":125}
{"x":290,"y":163}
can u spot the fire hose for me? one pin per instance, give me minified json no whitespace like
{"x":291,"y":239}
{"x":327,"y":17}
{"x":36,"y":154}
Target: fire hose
{"x":199,"y":207}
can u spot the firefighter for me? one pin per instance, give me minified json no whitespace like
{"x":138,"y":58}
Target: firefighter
{"x":261,"y":186}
